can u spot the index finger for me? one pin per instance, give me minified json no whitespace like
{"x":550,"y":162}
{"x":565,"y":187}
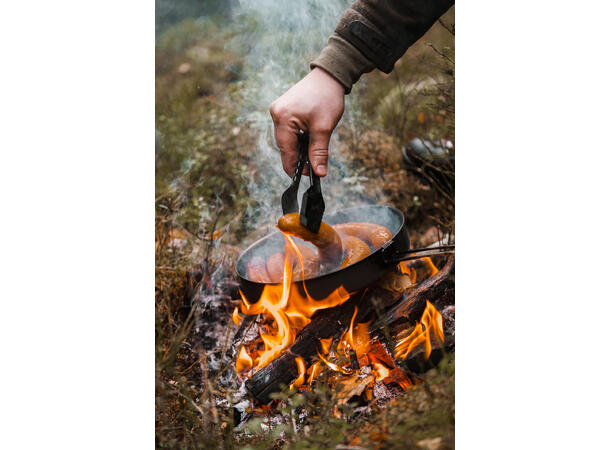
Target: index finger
{"x":286,"y":140}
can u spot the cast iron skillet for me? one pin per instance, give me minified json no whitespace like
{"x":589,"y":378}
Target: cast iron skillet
{"x":354,"y":277}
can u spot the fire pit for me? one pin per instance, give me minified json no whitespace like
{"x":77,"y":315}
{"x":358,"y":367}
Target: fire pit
{"x":346,"y":333}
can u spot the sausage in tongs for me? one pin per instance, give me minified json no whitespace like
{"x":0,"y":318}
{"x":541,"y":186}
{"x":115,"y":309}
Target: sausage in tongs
{"x":326,"y":240}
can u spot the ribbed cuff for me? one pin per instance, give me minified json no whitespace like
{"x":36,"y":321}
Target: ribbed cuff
{"x":343,"y":62}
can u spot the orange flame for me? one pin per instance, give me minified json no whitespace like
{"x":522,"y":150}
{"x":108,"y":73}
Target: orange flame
{"x":406,"y":270}
{"x":356,"y":338}
{"x":301,"y":378}
{"x":334,"y":366}
{"x":430,"y":325}
{"x":244,"y":362}
{"x":314,"y":372}
{"x":430,"y":268}
{"x":236,"y":317}
{"x":288,"y":309}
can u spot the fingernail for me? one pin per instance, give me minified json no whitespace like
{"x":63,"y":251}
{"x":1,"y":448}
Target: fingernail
{"x":321,"y":169}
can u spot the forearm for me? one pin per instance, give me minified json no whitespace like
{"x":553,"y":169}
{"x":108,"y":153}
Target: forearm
{"x":375,"y":34}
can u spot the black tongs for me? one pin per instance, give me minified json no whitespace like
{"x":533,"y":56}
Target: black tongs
{"x":312,"y":205}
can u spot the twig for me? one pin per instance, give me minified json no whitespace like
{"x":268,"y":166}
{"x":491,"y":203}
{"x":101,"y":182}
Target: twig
{"x":224,"y":352}
{"x":191,"y":401}
{"x":446,"y":27}
{"x":294,"y":424}
{"x":441,"y":53}
{"x":209,"y":248}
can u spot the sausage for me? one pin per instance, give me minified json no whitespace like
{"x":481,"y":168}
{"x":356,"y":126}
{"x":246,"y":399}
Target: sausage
{"x":275,"y":267}
{"x":373,"y":234}
{"x":275,"y":263}
{"x":326,"y":240}
{"x":257,"y":270}
{"x":310,"y":261}
{"x":355,"y":250}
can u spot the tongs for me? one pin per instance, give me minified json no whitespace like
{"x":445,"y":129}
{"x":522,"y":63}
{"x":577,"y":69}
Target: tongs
{"x":312,"y":204}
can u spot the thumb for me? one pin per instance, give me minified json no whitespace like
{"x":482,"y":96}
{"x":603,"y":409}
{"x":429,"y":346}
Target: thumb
{"x":318,"y":151}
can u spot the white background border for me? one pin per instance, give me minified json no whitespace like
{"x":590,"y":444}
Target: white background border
{"x":77,"y":189}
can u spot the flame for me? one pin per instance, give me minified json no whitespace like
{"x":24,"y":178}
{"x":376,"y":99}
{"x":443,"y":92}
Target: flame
{"x":314,"y":372}
{"x":244,"y":362}
{"x":430,"y":268}
{"x":350,"y":331}
{"x":334,"y":366}
{"x":287,"y":308}
{"x":356,"y":338}
{"x":301,"y":378}
{"x":406,"y":270}
{"x":236,"y":317}
{"x":430,"y":325}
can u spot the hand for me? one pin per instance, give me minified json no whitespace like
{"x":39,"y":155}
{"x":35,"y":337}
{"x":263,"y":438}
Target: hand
{"x":315,"y":104}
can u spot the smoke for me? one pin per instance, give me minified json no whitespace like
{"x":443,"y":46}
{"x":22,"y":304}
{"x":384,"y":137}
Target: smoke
{"x":279,"y":39}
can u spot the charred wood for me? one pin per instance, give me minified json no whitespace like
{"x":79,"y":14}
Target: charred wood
{"x":438,"y":290}
{"x":324,"y":324}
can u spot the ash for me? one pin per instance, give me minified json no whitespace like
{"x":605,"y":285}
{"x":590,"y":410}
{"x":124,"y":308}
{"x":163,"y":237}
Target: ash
{"x":214,"y":330}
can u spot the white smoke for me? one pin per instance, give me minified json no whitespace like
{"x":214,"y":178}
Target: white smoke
{"x":281,"y":38}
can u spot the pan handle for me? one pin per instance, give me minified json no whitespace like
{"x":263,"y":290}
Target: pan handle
{"x":390,"y":257}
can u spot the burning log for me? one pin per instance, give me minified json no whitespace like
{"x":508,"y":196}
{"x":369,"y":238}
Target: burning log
{"x":438,"y":290}
{"x":324,"y":324}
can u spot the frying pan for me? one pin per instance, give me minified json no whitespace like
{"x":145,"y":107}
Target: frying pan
{"x":353,"y":277}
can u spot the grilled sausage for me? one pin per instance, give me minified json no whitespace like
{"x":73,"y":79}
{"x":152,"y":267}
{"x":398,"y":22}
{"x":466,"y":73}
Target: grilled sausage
{"x":326,"y":240}
{"x":355,"y":250}
{"x":373,"y":234}
{"x":275,"y":263}
{"x":275,"y":267}
{"x":257,"y":270}
{"x":311,"y":262}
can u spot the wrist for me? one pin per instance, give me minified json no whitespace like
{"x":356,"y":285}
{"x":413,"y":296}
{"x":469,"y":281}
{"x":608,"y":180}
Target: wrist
{"x":342,"y":61}
{"x":328,"y":79}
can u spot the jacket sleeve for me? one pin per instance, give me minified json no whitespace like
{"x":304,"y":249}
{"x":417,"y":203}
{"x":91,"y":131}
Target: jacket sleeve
{"x":375,"y":34}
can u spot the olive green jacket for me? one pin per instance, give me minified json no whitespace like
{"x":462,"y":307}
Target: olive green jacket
{"x":375,"y":34}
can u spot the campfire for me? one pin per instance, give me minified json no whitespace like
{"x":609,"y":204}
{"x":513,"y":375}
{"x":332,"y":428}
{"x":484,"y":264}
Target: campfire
{"x":346,"y":334}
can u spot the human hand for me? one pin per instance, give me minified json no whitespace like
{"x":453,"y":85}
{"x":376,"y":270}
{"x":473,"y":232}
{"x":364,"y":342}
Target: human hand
{"x":315,"y":104}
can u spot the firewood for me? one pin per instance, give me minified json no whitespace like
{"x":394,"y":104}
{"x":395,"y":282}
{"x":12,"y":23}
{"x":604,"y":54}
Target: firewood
{"x":438,"y":290}
{"x":324,"y":324}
